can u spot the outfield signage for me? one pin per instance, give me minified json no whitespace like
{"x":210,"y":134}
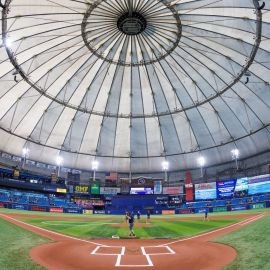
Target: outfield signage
{"x":38,"y":208}
{"x":259,"y":184}
{"x":258,"y":205}
{"x":95,"y":188}
{"x":238,"y":207}
{"x":205,"y":191}
{"x":185,"y":211}
{"x":56,"y":210}
{"x":157,"y":187}
{"x":72,"y":211}
{"x":200,"y":210}
{"x":81,"y":189}
{"x":173,"y":190}
{"x":109,"y":190}
{"x":61,"y":190}
{"x":87,"y":212}
{"x":220,"y":209}
{"x":19,"y":206}
{"x":168,"y":212}
{"x":99,"y":212}
{"x":225,"y":188}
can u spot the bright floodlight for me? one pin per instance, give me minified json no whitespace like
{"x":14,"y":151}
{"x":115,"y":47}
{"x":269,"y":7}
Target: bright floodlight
{"x":165,"y":165}
{"x":59,"y":161}
{"x":8,"y":42}
{"x":201,"y":161}
{"x":235,"y":153}
{"x":25,"y":151}
{"x":94,"y":165}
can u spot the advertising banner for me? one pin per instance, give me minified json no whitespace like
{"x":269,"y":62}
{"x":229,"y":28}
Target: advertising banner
{"x":238,"y":207}
{"x":54,"y":178}
{"x":173,"y":190}
{"x":56,"y":210}
{"x":38,"y":208}
{"x":72,"y":211}
{"x":241,"y":184}
{"x":157,"y":187}
{"x":259,"y":184}
{"x":49,"y":188}
{"x":168,"y":212}
{"x":61,"y":190}
{"x":99,"y":212}
{"x":188,"y":187}
{"x":225,"y":188}
{"x":205,"y":191}
{"x":19,"y":206}
{"x":220,"y":209}
{"x":87,"y":212}
{"x":109,"y":190}
{"x":258,"y":206}
{"x":95,"y":188}
{"x":2,"y":205}
{"x":81,"y":189}
{"x":197,"y":210}
{"x":186,"y":211}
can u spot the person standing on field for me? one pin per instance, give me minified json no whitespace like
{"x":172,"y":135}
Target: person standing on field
{"x":131,"y":225}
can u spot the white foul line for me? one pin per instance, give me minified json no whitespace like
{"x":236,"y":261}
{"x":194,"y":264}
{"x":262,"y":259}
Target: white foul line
{"x":52,"y":232}
{"x":241,"y":223}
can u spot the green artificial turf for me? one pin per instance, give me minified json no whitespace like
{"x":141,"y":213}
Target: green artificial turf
{"x":252,"y":243}
{"x":15,"y":245}
{"x":104,"y":228}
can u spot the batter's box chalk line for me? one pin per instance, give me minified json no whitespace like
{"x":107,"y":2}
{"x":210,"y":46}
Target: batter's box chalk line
{"x":147,"y":252}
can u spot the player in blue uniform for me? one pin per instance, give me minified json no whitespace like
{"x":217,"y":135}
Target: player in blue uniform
{"x":131,"y":225}
{"x":138,"y":215}
{"x":206,"y":214}
{"x":148,"y":216}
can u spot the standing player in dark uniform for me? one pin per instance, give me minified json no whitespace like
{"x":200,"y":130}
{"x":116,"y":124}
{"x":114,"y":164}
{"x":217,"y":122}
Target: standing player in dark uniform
{"x":138,"y":215}
{"x":148,"y":216}
{"x":206,"y":214}
{"x":131,"y":225}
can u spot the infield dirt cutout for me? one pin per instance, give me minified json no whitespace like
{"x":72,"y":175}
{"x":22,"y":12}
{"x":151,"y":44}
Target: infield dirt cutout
{"x":194,"y":253}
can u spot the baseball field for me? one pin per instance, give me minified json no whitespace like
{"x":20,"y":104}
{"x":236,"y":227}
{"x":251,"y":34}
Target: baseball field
{"x":230,"y":240}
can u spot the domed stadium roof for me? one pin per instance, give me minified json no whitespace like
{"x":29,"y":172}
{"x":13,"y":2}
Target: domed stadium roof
{"x":132,"y":83}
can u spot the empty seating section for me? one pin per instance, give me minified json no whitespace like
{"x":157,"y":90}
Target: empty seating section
{"x":226,"y":202}
{"x":38,"y":199}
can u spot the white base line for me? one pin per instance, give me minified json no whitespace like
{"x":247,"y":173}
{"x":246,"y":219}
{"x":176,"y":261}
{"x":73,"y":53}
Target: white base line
{"x":52,"y":232}
{"x":241,"y":223}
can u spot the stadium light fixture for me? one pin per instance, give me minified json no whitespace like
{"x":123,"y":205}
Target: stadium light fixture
{"x":94,"y":168}
{"x":235,"y":155}
{"x":59,"y":163}
{"x":8,"y":42}
{"x":165,"y":167}
{"x":25,"y":152}
{"x":201,"y":162}
{"x":25,"y":155}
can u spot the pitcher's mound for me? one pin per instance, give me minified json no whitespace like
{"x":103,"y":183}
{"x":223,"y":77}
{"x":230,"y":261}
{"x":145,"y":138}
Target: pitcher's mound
{"x":136,"y":225}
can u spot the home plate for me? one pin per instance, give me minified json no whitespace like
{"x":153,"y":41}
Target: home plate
{"x":135,"y":261}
